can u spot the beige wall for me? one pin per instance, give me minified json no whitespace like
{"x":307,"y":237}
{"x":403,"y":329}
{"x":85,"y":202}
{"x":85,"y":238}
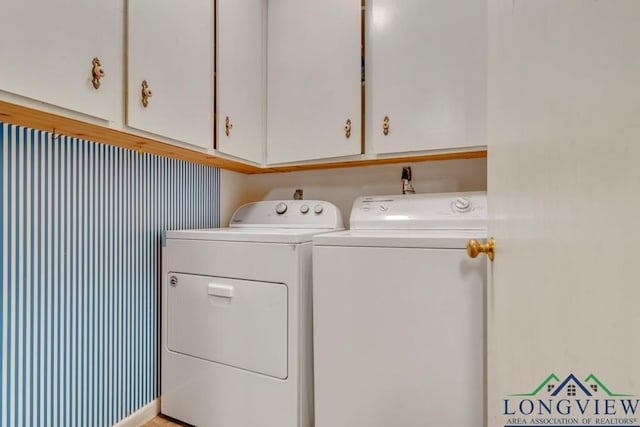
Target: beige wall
{"x":233,"y":193}
{"x":342,"y":186}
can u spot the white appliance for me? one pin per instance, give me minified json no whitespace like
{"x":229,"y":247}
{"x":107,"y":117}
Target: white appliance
{"x":236,"y":317}
{"x":399,"y":314}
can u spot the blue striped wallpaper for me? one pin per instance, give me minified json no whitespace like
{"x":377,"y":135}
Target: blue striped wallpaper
{"x":81,"y":234}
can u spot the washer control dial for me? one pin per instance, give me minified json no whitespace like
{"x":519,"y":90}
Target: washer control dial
{"x":318,"y":209}
{"x":304,"y":209}
{"x":281,"y":208}
{"x":461,"y":204}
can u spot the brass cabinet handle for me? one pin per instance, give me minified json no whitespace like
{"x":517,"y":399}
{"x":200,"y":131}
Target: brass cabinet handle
{"x":474,"y":248}
{"x":227,"y":126}
{"x":347,"y":128}
{"x":97,"y":72}
{"x":146,"y":93}
{"x":385,"y":126}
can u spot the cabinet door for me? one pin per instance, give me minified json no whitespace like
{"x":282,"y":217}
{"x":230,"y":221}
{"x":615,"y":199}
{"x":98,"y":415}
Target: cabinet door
{"x":313,"y":79}
{"x":49,"y":46}
{"x":240,"y":76}
{"x":426,"y":63}
{"x":171,"y":48}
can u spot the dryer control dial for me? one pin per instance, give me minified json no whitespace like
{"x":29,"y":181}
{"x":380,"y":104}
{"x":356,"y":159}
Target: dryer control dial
{"x":304,"y":209}
{"x":461,"y":204}
{"x":281,"y":208}
{"x":318,"y":209}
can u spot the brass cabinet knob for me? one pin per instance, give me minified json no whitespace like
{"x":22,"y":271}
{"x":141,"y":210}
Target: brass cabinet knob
{"x":97,"y":72}
{"x":227,"y":126}
{"x":347,"y":128}
{"x":474,"y":248}
{"x":146,"y":93}
{"x":385,"y":125}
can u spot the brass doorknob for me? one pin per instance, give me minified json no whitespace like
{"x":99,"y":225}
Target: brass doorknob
{"x":474,"y":248}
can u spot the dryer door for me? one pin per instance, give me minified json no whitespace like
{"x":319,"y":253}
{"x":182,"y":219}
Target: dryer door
{"x":238,"y":323}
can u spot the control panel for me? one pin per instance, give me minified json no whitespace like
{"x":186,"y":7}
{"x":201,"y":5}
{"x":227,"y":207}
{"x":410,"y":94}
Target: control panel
{"x":288,"y":214}
{"x":421,"y":211}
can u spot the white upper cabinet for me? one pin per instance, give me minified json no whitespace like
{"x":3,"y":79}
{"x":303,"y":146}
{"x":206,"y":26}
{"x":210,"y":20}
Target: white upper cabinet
{"x":426,"y":74}
{"x":313,"y":79}
{"x":240,"y":78}
{"x":170,"y":47}
{"x":48,"y":49}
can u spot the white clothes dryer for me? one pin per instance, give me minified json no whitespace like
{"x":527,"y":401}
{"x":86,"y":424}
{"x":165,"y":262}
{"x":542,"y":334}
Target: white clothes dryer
{"x":399,"y":314}
{"x":236,"y":317}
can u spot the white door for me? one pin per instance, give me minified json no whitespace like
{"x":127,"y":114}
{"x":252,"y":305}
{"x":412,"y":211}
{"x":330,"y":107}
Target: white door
{"x":313,"y":79}
{"x":564,"y":186}
{"x":170,"y":47}
{"x":239,"y":323}
{"x":241,"y":71}
{"x":48,"y":47}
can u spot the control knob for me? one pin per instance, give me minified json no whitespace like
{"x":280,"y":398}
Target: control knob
{"x":304,"y":209}
{"x":318,"y":209}
{"x":462,"y":204}
{"x":281,"y":208}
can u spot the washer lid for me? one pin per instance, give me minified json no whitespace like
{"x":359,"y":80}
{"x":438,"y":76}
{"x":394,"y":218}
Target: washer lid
{"x":426,"y":239}
{"x":442,"y":221}
{"x":439,"y":211}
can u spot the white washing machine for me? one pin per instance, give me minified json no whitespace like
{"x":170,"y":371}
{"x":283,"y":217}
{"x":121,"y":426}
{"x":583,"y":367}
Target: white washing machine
{"x":399,"y":314}
{"x":236,"y":317}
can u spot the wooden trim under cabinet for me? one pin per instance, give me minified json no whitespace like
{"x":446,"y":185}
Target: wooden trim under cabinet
{"x":476,"y":154}
{"x":28,"y":117}
{"x":36,"y":119}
